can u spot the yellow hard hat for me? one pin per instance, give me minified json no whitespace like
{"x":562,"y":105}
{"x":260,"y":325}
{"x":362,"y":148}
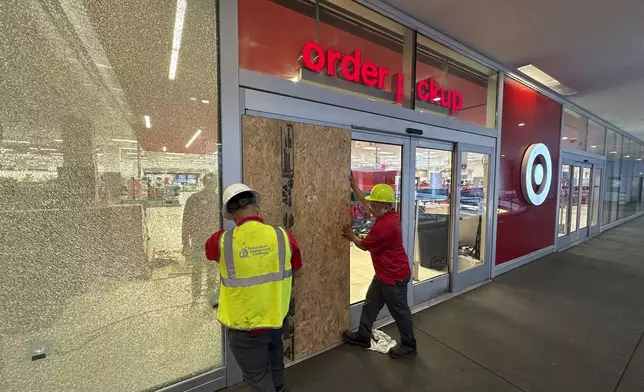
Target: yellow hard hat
{"x":382,"y":193}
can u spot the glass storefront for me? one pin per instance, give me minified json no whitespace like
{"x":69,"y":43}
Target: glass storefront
{"x":109,"y":174}
{"x":613,"y":178}
{"x":371,"y":164}
{"x":432,"y":213}
{"x":574,"y":134}
{"x":335,"y":44}
{"x":449,"y":84}
{"x":596,"y":138}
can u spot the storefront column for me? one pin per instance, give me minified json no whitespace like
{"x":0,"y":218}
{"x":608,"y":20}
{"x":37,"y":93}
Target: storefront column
{"x":231,"y":143}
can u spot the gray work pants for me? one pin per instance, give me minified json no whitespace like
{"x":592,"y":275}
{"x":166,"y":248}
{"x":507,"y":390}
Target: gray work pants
{"x":261,"y":358}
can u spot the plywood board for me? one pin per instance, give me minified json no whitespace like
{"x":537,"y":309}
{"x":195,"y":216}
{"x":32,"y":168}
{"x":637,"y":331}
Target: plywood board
{"x":314,"y":198}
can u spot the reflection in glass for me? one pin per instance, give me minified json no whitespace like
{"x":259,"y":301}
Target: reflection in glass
{"x":473,"y":216}
{"x":371,"y":164}
{"x":574,"y":200}
{"x":573,"y":131}
{"x":432,"y":212}
{"x":564,"y":200}
{"x":585,"y":198}
{"x":597,"y":183}
{"x":109,"y":185}
{"x":596,"y":138}
{"x":613,"y":176}
{"x":452,"y":85}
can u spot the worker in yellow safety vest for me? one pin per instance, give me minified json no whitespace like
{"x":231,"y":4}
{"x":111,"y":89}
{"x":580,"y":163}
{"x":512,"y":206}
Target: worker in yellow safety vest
{"x":256,"y":264}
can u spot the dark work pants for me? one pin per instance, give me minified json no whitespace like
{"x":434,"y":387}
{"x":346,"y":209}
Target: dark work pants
{"x":395,"y":297}
{"x":261,"y":358}
{"x":200,"y":264}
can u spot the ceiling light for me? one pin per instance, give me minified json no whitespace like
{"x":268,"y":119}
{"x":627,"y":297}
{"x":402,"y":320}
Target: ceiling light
{"x":593,"y":146}
{"x":521,"y":124}
{"x":165,"y":149}
{"x":148,"y":125}
{"x":193,"y":138}
{"x":547,"y":80}
{"x":18,"y":141}
{"x":205,"y":101}
{"x":176,"y":38}
{"x":193,"y":98}
{"x":436,"y":99}
{"x":639,"y":159}
{"x":564,"y":138}
{"x":125,"y":140}
{"x":613,"y":152}
{"x":627,"y":156}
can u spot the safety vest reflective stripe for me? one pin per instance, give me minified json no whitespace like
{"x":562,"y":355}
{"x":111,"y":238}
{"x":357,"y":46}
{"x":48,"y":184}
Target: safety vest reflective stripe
{"x":233,"y":281}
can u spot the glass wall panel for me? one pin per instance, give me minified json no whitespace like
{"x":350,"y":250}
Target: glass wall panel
{"x":371,"y":164}
{"x":109,"y":187}
{"x":640,"y":175}
{"x":596,"y":138}
{"x":613,"y":179}
{"x":574,"y":201}
{"x":473,"y":216}
{"x":564,"y":200}
{"x":449,"y":84}
{"x":432,"y":213}
{"x":597,"y":184}
{"x":626,"y":206}
{"x":336,"y":44}
{"x":585,"y":197}
{"x":573,"y":135}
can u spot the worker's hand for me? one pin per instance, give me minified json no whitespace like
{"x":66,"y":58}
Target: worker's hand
{"x":347,"y":232}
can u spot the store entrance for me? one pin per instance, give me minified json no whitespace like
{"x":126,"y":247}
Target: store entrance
{"x":579,"y":199}
{"x":447,"y":245}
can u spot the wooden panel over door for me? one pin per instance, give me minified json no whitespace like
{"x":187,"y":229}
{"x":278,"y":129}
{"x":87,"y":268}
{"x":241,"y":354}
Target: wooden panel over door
{"x":302,"y":173}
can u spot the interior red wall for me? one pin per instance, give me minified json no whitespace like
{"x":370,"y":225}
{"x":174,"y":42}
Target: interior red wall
{"x":525,"y":228}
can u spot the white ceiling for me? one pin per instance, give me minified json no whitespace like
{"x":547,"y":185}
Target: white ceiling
{"x":593,"y":46}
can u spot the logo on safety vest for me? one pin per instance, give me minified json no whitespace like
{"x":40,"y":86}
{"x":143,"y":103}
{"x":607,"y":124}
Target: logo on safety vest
{"x":243,"y":253}
{"x":536,"y":174}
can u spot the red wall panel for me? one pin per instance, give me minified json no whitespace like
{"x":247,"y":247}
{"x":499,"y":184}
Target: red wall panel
{"x":525,"y":228}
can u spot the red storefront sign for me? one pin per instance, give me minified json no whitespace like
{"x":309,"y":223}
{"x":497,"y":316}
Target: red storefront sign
{"x":351,"y":68}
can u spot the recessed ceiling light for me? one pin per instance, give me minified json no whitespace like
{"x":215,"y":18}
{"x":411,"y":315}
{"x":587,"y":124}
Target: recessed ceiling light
{"x":627,"y":156}
{"x":593,"y":146}
{"x":639,"y":159}
{"x":194,"y":137}
{"x":176,"y":38}
{"x":521,"y":124}
{"x":205,"y":101}
{"x":547,"y":80}
{"x":436,"y":99}
{"x":564,"y":138}
{"x":193,"y":98}
{"x":147,"y":121}
{"x":613,"y":152}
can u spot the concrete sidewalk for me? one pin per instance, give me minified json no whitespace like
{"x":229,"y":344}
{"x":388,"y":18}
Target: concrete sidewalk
{"x":572,"y":321}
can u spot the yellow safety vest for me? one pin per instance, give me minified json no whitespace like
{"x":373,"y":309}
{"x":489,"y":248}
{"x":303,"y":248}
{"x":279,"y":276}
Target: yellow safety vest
{"x":256,"y":276}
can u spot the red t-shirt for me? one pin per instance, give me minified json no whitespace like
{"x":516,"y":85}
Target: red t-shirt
{"x":388,"y":255}
{"x":212,"y":251}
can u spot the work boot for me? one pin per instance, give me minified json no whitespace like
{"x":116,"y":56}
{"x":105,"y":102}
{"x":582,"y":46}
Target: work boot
{"x":356,"y":339}
{"x":401,"y":353}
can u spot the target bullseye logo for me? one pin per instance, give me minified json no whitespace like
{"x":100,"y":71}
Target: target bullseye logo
{"x":536,"y":174}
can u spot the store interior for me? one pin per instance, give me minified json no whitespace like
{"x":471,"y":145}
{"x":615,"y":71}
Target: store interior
{"x":109,"y":127}
{"x":374,"y":163}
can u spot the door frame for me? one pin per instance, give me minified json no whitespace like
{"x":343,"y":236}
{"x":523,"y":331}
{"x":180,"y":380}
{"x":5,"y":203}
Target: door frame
{"x":377,"y":128}
{"x":480,"y":273}
{"x":581,"y":161}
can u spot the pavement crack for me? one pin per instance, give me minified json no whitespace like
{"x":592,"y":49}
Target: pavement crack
{"x":628,"y":364}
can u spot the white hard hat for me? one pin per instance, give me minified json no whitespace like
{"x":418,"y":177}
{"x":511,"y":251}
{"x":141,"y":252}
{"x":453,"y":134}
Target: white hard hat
{"x":233,"y":191}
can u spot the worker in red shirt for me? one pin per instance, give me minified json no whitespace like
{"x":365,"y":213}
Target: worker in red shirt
{"x":391,"y":264}
{"x":256,"y":264}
